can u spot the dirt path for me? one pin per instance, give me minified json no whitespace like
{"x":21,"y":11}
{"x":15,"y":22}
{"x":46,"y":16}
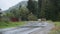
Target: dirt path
{"x":44,"y":30}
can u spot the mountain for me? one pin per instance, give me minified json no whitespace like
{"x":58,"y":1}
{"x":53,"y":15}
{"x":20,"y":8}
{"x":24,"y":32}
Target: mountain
{"x":23,"y":3}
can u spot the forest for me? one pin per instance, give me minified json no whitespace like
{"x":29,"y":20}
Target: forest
{"x":49,"y":9}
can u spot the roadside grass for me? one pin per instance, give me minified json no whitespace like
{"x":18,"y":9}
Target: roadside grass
{"x":11,"y":24}
{"x":56,"y":29}
{"x":57,"y":24}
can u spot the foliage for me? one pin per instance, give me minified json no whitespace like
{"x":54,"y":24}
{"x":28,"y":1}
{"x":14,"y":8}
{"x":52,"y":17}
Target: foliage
{"x":14,"y":13}
{"x":33,"y":7}
{"x":32,"y":17}
{"x":23,"y":13}
{"x":49,"y":9}
{"x":42,"y":7}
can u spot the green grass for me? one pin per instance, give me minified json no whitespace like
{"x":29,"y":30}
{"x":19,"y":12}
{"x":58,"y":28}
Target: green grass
{"x":10,"y":24}
{"x":57,"y":24}
{"x":56,"y":30}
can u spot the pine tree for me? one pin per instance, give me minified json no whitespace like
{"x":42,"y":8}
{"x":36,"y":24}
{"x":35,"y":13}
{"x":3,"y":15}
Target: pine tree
{"x":32,"y":6}
{"x":42,"y":7}
{"x":52,"y":10}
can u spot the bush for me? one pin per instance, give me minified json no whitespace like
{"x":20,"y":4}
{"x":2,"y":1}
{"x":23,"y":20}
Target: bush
{"x":5,"y":20}
{"x":32,"y":17}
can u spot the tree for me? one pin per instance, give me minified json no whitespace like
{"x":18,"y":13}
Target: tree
{"x":52,"y":10}
{"x":39,"y":7}
{"x":49,"y":9}
{"x":42,"y":7}
{"x":33,"y":7}
{"x":23,"y":13}
{"x":30,"y":5}
{"x":14,"y":13}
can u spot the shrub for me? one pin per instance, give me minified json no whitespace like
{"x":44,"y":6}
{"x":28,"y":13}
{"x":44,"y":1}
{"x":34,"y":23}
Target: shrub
{"x":32,"y":17}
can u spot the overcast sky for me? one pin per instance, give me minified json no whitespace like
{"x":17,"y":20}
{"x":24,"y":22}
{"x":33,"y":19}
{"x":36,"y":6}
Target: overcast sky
{"x":5,"y":4}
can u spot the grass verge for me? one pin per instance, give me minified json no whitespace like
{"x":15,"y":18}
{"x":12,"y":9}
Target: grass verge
{"x":10,"y":24}
{"x":56,"y":29}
